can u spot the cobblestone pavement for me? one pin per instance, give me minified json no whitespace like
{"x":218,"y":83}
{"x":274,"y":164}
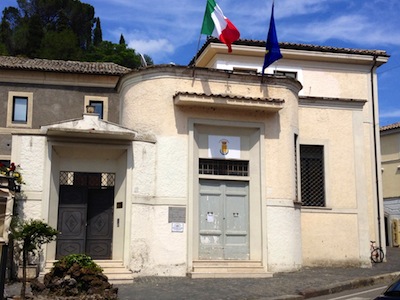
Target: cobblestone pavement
{"x":306,"y":283}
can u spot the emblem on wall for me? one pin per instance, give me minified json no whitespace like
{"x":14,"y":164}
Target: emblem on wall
{"x":224,"y":146}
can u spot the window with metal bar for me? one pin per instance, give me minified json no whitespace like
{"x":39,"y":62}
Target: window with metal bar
{"x":312,"y":175}
{"x":286,"y":73}
{"x":91,"y":180}
{"x":223,"y":167}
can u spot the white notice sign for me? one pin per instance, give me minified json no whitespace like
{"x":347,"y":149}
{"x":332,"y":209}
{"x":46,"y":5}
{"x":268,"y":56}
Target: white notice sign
{"x":210,"y":217}
{"x":177,"y":227}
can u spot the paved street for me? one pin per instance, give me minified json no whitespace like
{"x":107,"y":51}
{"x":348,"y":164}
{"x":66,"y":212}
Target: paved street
{"x":309,"y":282}
{"x":364,"y":293}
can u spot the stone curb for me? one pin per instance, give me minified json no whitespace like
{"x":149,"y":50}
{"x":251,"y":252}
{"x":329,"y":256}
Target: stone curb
{"x":343,"y":286}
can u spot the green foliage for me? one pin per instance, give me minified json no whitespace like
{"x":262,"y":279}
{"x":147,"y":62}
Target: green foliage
{"x":97,"y":33}
{"x":148,"y":60}
{"x":33,"y":234}
{"x":83,"y":260}
{"x":60,"y":45}
{"x":117,"y":53}
{"x":122,"y":40}
{"x":60,"y":29}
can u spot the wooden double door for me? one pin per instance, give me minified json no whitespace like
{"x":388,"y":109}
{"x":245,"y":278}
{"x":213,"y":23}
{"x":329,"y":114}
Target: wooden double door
{"x":85,"y":220}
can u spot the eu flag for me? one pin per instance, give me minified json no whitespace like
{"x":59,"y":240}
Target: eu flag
{"x":272,"y":51}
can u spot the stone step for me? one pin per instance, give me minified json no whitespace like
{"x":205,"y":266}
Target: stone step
{"x":228,"y":269}
{"x":225,"y":263}
{"x":113,"y":269}
{"x":198,"y":275}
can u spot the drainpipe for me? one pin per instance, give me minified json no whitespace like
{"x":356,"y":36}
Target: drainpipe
{"x":377,"y":169}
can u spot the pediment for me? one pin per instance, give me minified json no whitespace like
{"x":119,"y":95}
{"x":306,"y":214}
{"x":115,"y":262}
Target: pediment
{"x":90,"y":126}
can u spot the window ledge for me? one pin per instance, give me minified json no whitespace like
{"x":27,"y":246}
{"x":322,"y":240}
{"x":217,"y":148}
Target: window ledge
{"x":316,"y":208}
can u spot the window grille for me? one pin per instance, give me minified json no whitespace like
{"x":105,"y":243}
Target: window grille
{"x":91,"y":180}
{"x":223,"y":167}
{"x":286,"y":73}
{"x":312,"y":175}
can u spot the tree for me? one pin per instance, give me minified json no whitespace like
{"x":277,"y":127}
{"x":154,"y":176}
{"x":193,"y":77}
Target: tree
{"x":60,"y":29}
{"x":148,"y":60}
{"x":97,"y":34}
{"x":60,"y":45}
{"x":32,"y":234}
{"x":117,"y":53}
{"x":122,"y":40}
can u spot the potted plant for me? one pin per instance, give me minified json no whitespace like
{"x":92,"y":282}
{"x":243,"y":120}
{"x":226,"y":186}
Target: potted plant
{"x":31,"y":235}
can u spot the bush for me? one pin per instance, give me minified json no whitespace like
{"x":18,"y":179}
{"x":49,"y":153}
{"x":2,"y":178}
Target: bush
{"x":83,"y":260}
{"x":75,"y":275}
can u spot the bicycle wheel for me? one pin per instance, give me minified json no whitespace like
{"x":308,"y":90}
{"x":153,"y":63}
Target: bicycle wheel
{"x":377,"y":255}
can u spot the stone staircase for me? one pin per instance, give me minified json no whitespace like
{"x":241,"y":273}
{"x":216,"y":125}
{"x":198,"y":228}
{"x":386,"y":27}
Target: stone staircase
{"x":228,"y":269}
{"x":113,"y":269}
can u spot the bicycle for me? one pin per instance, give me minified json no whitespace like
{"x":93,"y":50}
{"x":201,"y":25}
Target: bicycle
{"x":377,"y":254}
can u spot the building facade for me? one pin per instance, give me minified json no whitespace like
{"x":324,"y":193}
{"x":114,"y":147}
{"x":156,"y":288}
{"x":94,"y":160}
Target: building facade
{"x":209,"y":170}
{"x":390,"y":149}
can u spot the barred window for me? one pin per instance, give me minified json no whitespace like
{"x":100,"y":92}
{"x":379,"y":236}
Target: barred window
{"x":312,"y":175}
{"x":223,"y":167}
{"x":91,"y":180}
{"x":286,"y":73}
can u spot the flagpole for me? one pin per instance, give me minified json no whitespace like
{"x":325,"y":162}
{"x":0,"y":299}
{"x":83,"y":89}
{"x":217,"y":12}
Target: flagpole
{"x":272,"y":49}
{"x":198,"y":46}
{"x":263,"y":69}
{"x":196,"y":56}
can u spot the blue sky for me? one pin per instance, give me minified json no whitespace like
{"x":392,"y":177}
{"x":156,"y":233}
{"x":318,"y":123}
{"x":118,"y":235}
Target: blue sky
{"x":169,"y":31}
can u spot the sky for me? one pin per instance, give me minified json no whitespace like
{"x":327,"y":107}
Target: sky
{"x":169,"y":30}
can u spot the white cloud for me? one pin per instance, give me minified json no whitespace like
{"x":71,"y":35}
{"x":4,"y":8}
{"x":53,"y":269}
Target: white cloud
{"x":290,"y":8}
{"x":357,"y":29}
{"x":390,"y":114}
{"x":157,"y":48}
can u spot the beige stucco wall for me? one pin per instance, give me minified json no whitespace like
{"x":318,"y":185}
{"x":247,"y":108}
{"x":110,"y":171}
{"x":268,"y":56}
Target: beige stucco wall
{"x":348,"y":217}
{"x":390,"y":149}
{"x":332,"y":80}
{"x":161,"y":171}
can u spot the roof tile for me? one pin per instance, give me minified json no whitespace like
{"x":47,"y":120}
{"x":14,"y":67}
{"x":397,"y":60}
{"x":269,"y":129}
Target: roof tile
{"x":36,"y":64}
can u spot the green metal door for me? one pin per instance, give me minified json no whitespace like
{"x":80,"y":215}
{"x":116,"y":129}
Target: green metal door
{"x":223,"y":220}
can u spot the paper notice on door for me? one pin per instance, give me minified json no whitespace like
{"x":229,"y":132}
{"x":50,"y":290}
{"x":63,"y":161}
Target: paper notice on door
{"x":210,"y":217}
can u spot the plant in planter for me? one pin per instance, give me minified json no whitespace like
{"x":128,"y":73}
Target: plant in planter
{"x":31,"y":235}
{"x":14,"y":173}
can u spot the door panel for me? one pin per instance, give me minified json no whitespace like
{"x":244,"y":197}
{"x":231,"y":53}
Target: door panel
{"x":85,"y":220}
{"x":211,"y":221}
{"x":236,"y":233}
{"x":223,"y":220}
{"x":71,"y":221}
{"x":100,"y":221}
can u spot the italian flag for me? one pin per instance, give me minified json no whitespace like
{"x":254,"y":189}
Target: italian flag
{"x":217,"y":25}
